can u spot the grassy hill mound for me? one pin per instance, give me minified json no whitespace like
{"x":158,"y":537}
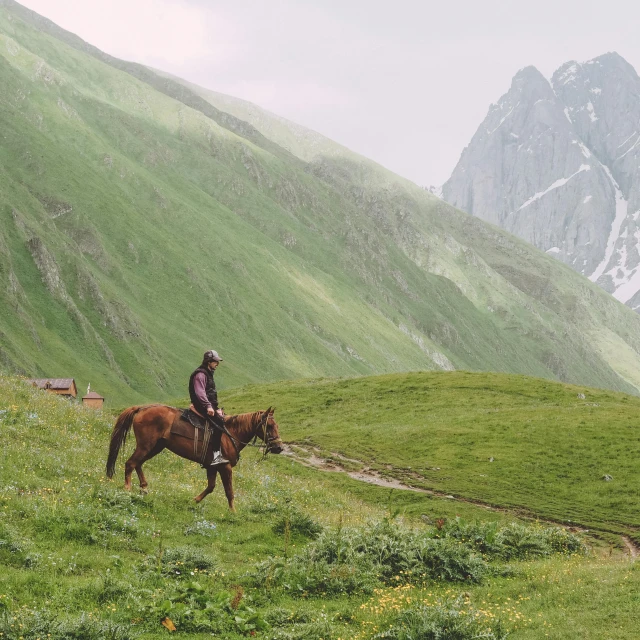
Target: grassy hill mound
{"x":511,"y":441}
{"x":141,"y":224}
{"x":308,"y":555}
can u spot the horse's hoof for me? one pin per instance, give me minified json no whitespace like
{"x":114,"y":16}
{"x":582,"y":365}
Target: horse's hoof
{"x":197,"y":499}
{"x":144,"y":491}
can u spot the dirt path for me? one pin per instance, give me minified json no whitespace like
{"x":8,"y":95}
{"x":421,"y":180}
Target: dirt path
{"x":365,"y":474}
{"x":310,"y":458}
{"x":632,"y":547}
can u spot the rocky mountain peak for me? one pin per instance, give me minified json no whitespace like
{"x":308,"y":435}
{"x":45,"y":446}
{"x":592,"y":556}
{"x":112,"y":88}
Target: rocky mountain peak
{"x":557,"y":164}
{"x":529,"y":77}
{"x":610,"y":60}
{"x":602,"y":97}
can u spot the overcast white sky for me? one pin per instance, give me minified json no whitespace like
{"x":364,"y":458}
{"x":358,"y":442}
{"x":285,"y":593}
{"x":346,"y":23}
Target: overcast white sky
{"x":404,"y":82}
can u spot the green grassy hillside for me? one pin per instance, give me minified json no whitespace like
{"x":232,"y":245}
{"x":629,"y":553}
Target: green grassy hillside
{"x":525,"y":444}
{"x":308,"y":554}
{"x":140,"y":224}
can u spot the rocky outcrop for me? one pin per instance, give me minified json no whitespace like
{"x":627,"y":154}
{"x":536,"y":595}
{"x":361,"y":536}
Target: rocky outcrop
{"x":556,"y":164}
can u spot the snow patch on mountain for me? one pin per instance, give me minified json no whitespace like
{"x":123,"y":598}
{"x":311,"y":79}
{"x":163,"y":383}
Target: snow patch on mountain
{"x":503,"y":119}
{"x":631,"y":148}
{"x":627,"y":140}
{"x":626,"y":281}
{"x":585,"y":152}
{"x":621,"y":214}
{"x":558,"y":183}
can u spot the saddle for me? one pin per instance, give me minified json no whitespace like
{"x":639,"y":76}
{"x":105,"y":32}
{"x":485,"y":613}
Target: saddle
{"x":193,"y":426}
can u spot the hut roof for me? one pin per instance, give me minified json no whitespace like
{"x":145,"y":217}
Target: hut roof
{"x":53,"y":383}
{"x":93,"y":394}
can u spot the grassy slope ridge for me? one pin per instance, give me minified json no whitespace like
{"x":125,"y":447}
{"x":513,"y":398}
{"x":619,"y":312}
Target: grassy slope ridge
{"x":551,"y":448}
{"x":141,"y":224}
{"x":82,"y":558}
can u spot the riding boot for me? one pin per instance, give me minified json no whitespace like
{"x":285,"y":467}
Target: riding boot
{"x":216,"y":437}
{"x":218,"y":459}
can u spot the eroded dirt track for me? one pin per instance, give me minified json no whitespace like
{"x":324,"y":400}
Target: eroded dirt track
{"x":338,"y":463}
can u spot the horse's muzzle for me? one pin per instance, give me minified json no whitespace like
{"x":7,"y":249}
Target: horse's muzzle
{"x":275,"y":448}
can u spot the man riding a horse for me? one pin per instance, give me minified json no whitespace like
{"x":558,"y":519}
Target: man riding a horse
{"x":204,"y":399}
{"x":158,"y":427}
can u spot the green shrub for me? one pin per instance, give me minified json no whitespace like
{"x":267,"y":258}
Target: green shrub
{"x":280,"y":617}
{"x":303,"y":575}
{"x":563,"y":541}
{"x":510,"y":542}
{"x":193,"y":609}
{"x":357,"y":560}
{"x":125,"y":501}
{"x":42,"y":624}
{"x":481,"y":536}
{"x":179,"y":562}
{"x":443,"y":621}
{"x":297,"y":522}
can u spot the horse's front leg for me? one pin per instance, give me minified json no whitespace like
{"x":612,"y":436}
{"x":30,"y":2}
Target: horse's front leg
{"x":226,"y":473}
{"x":212,"y":472}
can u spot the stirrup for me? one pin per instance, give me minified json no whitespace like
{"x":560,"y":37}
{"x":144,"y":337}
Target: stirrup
{"x":218,"y":459}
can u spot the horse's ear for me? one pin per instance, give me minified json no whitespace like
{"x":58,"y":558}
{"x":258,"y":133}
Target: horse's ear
{"x":272,"y":410}
{"x":269,"y":411}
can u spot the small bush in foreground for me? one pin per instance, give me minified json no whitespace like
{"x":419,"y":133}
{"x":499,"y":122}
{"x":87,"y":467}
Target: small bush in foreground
{"x":296,"y":522}
{"x":404,"y":615}
{"x":442,"y":622}
{"x":513,"y":541}
{"x":179,"y":562}
{"x":194,"y":609}
{"x":42,"y":624}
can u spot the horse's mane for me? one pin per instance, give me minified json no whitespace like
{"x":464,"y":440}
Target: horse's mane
{"x":242,"y":424}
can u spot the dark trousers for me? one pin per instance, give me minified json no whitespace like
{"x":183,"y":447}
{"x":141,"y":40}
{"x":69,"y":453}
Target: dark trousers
{"x":215,"y":424}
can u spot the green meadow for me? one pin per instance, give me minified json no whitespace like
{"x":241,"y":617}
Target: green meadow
{"x":526,"y":444}
{"x":311,"y":554}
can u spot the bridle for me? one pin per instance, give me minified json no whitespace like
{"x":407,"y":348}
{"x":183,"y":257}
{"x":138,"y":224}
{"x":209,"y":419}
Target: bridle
{"x":266,"y":440}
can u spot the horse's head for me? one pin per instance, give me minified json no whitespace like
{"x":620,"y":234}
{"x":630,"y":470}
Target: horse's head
{"x":269,"y":433}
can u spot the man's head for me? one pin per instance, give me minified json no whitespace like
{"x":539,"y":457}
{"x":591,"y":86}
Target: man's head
{"x":211,"y":359}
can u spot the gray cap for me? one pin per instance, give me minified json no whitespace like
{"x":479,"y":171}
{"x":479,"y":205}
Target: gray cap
{"x":211,"y":355}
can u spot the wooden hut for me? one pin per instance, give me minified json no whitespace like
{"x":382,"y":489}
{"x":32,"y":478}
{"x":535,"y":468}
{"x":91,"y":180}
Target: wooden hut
{"x":60,"y":386}
{"x":93,"y":400}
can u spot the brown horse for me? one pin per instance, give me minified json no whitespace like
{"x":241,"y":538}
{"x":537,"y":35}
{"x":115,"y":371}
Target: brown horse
{"x":152,"y":427}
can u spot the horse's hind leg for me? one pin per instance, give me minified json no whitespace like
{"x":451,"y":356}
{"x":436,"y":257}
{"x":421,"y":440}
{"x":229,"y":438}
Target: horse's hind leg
{"x":139,"y":456}
{"x":212,"y":472}
{"x":154,"y":452}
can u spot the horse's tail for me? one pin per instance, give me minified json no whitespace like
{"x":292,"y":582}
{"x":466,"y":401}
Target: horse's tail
{"x":119,"y":437}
